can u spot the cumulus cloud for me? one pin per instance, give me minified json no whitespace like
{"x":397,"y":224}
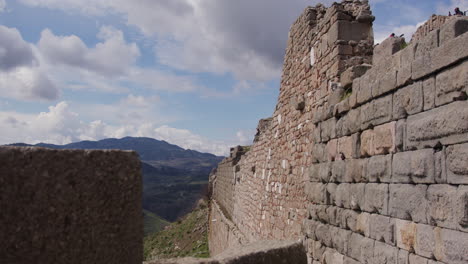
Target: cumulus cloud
{"x":407,"y":30}
{"x":113,"y":56}
{"x":245,"y":38}
{"x":61,"y":125}
{"x":14,"y":51}
{"x":21,"y":76}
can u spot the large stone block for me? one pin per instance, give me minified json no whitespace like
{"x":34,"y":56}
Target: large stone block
{"x":429,"y":93}
{"x":442,"y":204}
{"x":406,"y":60}
{"x":403,"y":257}
{"x":384,"y":254}
{"x":446,"y":124}
{"x":354,"y":246}
{"x":408,"y":202}
{"x":387,"y":83}
{"x":379,"y":168}
{"x":382,"y":228}
{"x":317,"y":193}
{"x":450,"y":52}
{"x":452,"y":84}
{"x":452,"y":29}
{"x":376,"y":198}
{"x":457,"y":164}
{"x":413,"y":167}
{"x":319,"y":172}
{"x":376,"y":112}
{"x":356,"y":170}
{"x":380,"y":140}
{"x":386,"y":49}
{"x":405,"y":232}
{"x":425,"y":241}
{"x":70,"y":206}
{"x":408,"y":101}
{"x":364,"y":85}
{"x":348,"y":147}
{"x":349,"y":123}
{"x":451,"y":246}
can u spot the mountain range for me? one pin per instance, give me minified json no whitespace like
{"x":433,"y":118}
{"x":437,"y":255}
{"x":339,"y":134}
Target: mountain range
{"x":174,"y":178}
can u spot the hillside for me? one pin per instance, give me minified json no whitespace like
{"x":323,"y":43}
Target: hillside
{"x":173,"y":178}
{"x":184,"y":238}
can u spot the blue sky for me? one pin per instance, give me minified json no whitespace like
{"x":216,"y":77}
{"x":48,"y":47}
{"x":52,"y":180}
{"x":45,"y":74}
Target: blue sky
{"x":196,"y":73}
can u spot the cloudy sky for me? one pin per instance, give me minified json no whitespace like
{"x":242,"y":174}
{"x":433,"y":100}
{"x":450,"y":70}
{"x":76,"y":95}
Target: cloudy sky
{"x":196,"y":73}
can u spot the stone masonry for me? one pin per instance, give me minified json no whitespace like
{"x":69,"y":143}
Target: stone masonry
{"x":366,"y":155}
{"x":70,"y":206}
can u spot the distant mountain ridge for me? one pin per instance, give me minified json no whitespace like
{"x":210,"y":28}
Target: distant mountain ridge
{"x":173,"y":178}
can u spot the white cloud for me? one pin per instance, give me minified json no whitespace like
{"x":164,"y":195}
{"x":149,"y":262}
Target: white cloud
{"x":407,"y":30}
{"x":61,"y":125}
{"x":111,"y":57}
{"x":21,"y":76}
{"x":246,"y":38}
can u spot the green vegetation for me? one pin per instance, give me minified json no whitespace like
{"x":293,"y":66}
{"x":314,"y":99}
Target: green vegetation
{"x":153,"y":223}
{"x":347,"y":93}
{"x":188,"y":237}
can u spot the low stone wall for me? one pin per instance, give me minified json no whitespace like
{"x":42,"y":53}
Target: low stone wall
{"x":70,"y":206}
{"x":261,"y":252}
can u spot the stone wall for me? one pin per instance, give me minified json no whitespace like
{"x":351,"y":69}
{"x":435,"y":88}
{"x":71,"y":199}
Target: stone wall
{"x":389,"y":182}
{"x":366,"y":163}
{"x":70,"y":206}
{"x":264,"y":192}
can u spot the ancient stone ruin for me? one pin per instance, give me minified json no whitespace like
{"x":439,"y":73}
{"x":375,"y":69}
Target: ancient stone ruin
{"x":366,"y":155}
{"x":365,"y":160}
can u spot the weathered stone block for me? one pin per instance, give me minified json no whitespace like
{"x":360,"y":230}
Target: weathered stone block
{"x":441,"y":204}
{"x":340,"y":239}
{"x":349,"y":123}
{"x":414,"y":167}
{"x":429,"y":93}
{"x":403,"y":257}
{"x":376,"y":198}
{"x":356,"y":196}
{"x":446,"y":124}
{"x":323,"y":234}
{"x":382,"y":228}
{"x":452,"y":84}
{"x":354,"y":246}
{"x":317,"y":193}
{"x":367,"y":250}
{"x":352,"y":73}
{"x":425,"y":241}
{"x":452,"y":29}
{"x":384,"y":139}
{"x":364,"y":92}
{"x":376,"y":112}
{"x":319,"y":153}
{"x":319,"y":172}
{"x":408,"y":101}
{"x":408,"y":202}
{"x":348,"y":147}
{"x":384,"y":254}
{"x":387,"y":48}
{"x":451,"y":246}
{"x":451,"y":52}
{"x":427,"y":44}
{"x":405,"y":232}
{"x":457,"y":164}
{"x":356,"y":170}
{"x":400,"y":135}
{"x":338,"y":169}
{"x":331,"y":150}
{"x":363,"y":224}
{"x":387,"y":83}
{"x":379,"y":168}
{"x":406,"y":60}
{"x":328,"y":129}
